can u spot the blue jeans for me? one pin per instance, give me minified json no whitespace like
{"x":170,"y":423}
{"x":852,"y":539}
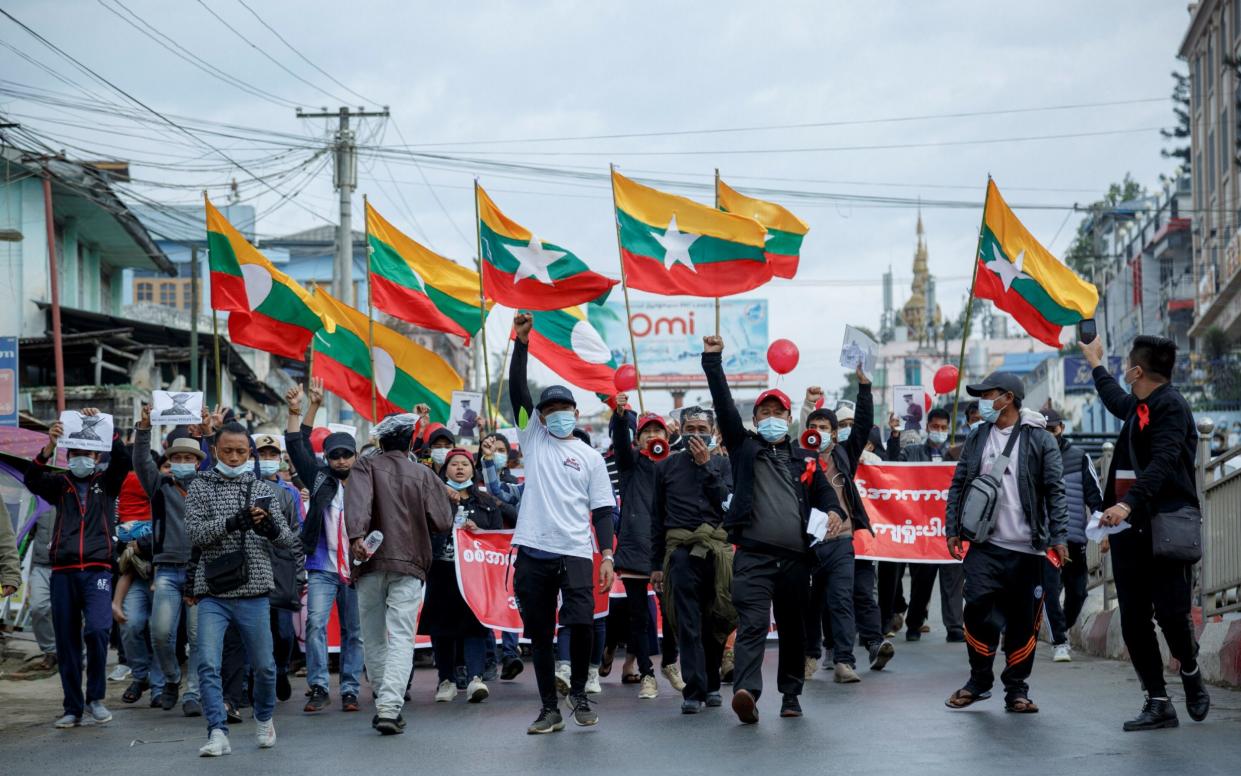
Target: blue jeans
{"x":165,"y":617}
{"x":137,"y":608}
{"x":252,"y":616}
{"x":600,"y":630}
{"x":510,"y":645}
{"x":322,"y":589}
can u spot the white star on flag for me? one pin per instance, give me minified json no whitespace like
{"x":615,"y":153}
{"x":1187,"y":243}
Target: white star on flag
{"x":676,"y":245}
{"x":533,"y":261}
{"x":1007,"y":271}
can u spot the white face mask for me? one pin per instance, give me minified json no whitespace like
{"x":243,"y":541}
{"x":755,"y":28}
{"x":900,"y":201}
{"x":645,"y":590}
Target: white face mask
{"x":439,"y":455}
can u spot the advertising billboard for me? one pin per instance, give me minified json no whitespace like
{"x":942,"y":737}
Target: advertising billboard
{"x":8,"y":381}
{"x":669,"y":333}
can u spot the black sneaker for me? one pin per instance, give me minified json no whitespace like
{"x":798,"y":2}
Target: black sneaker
{"x":400,"y":721}
{"x":512,"y":667}
{"x":318,"y":700}
{"x":956,"y":637}
{"x":232,"y":714}
{"x":880,"y":654}
{"x":1197,"y":701}
{"x":714,"y":700}
{"x":691,"y":706}
{"x":790,"y":706}
{"x":491,"y":671}
{"x":284,"y":690}
{"x":192,"y":707}
{"x":349,"y":702}
{"x":913,"y":635}
{"x":745,"y":706}
{"x":388,"y":726}
{"x":1156,"y":714}
{"x":169,"y":697}
{"x":583,"y":714}
{"x":549,"y":721}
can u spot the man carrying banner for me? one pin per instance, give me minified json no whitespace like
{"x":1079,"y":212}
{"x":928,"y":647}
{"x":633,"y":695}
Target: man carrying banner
{"x":779,"y":508}
{"x":692,"y":558}
{"x":566,"y":479}
{"x":1007,"y":500}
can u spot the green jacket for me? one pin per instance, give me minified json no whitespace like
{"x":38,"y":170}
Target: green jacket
{"x":704,"y":539}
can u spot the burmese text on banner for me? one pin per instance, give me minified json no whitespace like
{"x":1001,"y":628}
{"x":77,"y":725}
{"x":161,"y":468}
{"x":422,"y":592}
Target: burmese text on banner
{"x":906,"y":504}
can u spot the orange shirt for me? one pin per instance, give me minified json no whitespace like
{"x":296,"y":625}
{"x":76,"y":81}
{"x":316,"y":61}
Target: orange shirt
{"x":133,"y":503}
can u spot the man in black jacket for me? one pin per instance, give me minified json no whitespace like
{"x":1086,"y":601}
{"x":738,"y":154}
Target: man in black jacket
{"x":779,"y":506}
{"x":81,"y":555}
{"x":1158,"y":444}
{"x":326,"y":549}
{"x":1004,"y":569}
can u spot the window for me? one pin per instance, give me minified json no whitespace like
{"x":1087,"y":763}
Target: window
{"x":187,"y":297}
{"x":1236,"y":17}
{"x":167,"y":294}
{"x":1225,"y":154}
{"x":1210,"y":163}
{"x":1195,"y":83}
{"x":1210,"y":64}
{"x":143,"y":291}
{"x":913,"y":371}
{"x":1198,"y":175}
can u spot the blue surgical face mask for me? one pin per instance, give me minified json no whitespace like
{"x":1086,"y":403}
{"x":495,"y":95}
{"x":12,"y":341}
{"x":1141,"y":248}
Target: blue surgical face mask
{"x":459,"y":485}
{"x":561,"y":423}
{"x":773,"y":429}
{"x":81,"y":466}
{"x":232,"y":472}
{"x":183,"y":470}
{"x":843,"y":433}
{"x":937,"y":437}
{"x":826,"y":443}
{"x":439,"y":455}
{"x":986,"y":408}
{"x":500,"y":460}
{"x":269,"y":468}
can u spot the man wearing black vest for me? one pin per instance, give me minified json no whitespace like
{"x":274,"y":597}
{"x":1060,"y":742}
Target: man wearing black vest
{"x":1156,"y":449}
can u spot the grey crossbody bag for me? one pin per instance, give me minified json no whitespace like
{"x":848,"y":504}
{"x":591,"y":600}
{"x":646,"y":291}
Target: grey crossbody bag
{"x":982,"y":496}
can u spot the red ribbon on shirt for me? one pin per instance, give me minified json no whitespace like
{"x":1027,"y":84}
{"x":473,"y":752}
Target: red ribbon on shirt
{"x":1144,"y":416}
{"x":807,"y":477}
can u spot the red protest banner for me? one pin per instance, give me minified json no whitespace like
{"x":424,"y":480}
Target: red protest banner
{"x":905,"y":503}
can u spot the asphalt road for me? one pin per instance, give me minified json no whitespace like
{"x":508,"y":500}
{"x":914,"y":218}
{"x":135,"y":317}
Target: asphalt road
{"x":892,"y":722}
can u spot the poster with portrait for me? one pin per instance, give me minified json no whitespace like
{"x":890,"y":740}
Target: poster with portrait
{"x":467,"y":408}
{"x":909,"y":404}
{"x":86,"y":433}
{"x":179,"y":408}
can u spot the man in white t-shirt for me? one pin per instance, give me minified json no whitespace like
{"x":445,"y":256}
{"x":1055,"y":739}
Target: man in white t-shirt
{"x":566,"y":489}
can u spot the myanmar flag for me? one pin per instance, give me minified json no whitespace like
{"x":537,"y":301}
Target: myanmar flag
{"x":567,"y":343}
{"x":417,"y":285}
{"x":525,"y":273}
{"x":1024,"y":280}
{"x":674,"y":246}
{"x":405,"y":373}
{"x":785,"y":231}
{"x":267,"y":309}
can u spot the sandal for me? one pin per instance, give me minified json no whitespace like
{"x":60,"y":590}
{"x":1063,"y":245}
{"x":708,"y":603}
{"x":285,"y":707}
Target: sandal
{"x":965,"y":697}
{"x":631,"y":679}
{"x":609,"y":654}
{"x":1020,"y":705}
{"x":134,"y":691}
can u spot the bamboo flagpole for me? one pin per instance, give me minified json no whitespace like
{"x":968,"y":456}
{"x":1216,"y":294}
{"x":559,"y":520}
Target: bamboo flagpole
{"x":717,"y":207}
{"x":370,"y":309}
{"x":633,"y":347}
{"x":969,"y":311}
{"x":482,"y":314}
{"x":215,"y":337}
{"x":495,"y":405}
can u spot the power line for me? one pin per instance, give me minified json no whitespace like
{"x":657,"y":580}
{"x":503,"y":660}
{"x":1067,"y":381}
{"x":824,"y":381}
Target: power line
{"x":435,"y":195}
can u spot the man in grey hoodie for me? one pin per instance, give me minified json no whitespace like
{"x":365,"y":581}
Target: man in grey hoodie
{"x":1004,"y":571}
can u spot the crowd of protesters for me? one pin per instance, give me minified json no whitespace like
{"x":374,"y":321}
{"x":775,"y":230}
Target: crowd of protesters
{"x":204,"y":546}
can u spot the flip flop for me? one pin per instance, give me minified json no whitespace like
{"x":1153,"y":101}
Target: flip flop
{"x":965,"y":697}
{"x":631,"y":679}
{"x":1020,"y":705}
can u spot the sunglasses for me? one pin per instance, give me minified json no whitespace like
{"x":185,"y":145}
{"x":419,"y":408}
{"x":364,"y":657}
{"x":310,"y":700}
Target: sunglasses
{"x":337,"y":455}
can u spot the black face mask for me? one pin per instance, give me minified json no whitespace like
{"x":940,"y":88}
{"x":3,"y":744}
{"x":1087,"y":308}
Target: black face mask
{"x":338,"y":474}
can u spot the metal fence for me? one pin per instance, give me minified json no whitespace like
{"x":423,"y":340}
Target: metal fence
{"x":1219,"y":482}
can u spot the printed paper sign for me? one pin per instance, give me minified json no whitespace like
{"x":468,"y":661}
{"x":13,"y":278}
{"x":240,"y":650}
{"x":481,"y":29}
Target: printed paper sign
{"x":908,"y":403}
{"x":906,"y":503}
{"x":467,"y":408}
{"x":858,"y":348}
{"x":176,"y":409}
{"x":83,"y":433}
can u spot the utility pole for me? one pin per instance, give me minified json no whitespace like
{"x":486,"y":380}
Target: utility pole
{"x":345,"y":179}
{"x":194,"y":318}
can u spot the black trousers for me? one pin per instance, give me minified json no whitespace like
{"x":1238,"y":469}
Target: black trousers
{"x":692,"y":584}
{"x":951,"y":589}
{"x":233,"y":669}
{"x":1072,"y":579}
{"x":1147,"y":585}
{"x":891,"y":591}
{"x":538,"y":583}
{"x":831,"y":601}
{"x":866,"y":615}
{"x":764,"y":584}
{"x":1003,"y":590}
{"x":639,"y":623}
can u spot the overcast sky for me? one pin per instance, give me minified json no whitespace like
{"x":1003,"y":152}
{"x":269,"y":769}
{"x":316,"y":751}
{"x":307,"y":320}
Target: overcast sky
{"x":458,"y":72}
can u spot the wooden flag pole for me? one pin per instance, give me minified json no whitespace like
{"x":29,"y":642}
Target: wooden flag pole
{"x":717,"y":207}
{"x":969,"y":311}
{"x":482,"y":314}
{"x":633,"y":347}
{"x":370,"y":309}
{"x":500,"y":383}
{"x":215,"y":337}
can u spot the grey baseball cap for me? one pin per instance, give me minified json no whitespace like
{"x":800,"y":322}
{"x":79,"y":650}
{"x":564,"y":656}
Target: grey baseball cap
{"x":555,"y":393}
{"x":1004,"y":381}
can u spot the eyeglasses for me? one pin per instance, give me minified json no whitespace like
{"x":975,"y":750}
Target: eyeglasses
{"x":337,"y":455}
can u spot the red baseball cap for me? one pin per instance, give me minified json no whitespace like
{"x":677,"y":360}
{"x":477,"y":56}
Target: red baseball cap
{"x":648,"y":418}
{"x":777,"y":394}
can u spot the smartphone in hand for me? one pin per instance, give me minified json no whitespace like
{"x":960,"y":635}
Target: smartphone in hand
{"x":1087,"y":331}
{"x":263,"y":503}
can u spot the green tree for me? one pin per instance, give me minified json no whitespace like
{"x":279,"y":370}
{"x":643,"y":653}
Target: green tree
{"x":1179,"y":135}
{"x":1082,"y":254}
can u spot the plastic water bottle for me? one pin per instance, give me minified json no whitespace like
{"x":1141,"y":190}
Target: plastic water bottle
{"x":370,"y":544}
{"x":459,"y":519}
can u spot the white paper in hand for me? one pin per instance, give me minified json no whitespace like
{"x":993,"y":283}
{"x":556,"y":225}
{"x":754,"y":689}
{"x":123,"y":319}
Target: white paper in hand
{"x":817,"y":525}
{"x":83,"y":433}
{"x":1095,"y":530}
{"x":176,"y":409}
{"x":858,"y":348}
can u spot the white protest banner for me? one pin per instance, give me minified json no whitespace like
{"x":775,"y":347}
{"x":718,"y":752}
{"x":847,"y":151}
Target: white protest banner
{"x":858,"y":348}
{"x":86,"y":433}
{"x":176,"y":409}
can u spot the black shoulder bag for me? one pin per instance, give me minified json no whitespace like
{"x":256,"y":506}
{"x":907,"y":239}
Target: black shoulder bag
{"x":1176,"y":534}
{"x":230,"y":570}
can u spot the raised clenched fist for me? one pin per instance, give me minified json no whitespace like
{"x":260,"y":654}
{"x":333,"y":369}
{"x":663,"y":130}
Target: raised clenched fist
{"x":713,"y":343}
{"x":522,"y":323}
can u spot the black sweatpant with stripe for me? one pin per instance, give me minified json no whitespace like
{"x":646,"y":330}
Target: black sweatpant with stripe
{"x":1003,"y":592}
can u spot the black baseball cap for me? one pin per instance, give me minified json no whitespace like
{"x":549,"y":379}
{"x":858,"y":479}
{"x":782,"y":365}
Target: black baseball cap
{"x":555,"y":393}
{"x":1004,"y":381}
{"x":339,"y":440}
{"x":1053,"y":418}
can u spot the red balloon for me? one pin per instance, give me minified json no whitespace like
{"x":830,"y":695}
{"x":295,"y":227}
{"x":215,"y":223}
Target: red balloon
{"x":317,"y":435}
{"x":945,"y":379}
{"x":782,"y":355}
{"x":626,"y":378}
{"x":926,"y":400}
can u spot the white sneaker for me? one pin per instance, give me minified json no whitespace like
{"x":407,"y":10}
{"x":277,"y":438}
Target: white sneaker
{"x":66,"y":722}
{"x":96,"y":714}
{"x":265,"y":733}
{"x":217,"y":745}
{"x":592,"y":681}
{"x":1062,"y":654}
{"x":845,"y":674}
{"x":672,"y":673}
{"x":649,"y":689}
{"x":477,"y":692}
{"x":119,"y":674}
{"x":446,"y":691}
{"x":563,"y":673}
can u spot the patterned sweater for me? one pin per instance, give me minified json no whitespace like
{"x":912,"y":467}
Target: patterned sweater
{"x":211,"y":500}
